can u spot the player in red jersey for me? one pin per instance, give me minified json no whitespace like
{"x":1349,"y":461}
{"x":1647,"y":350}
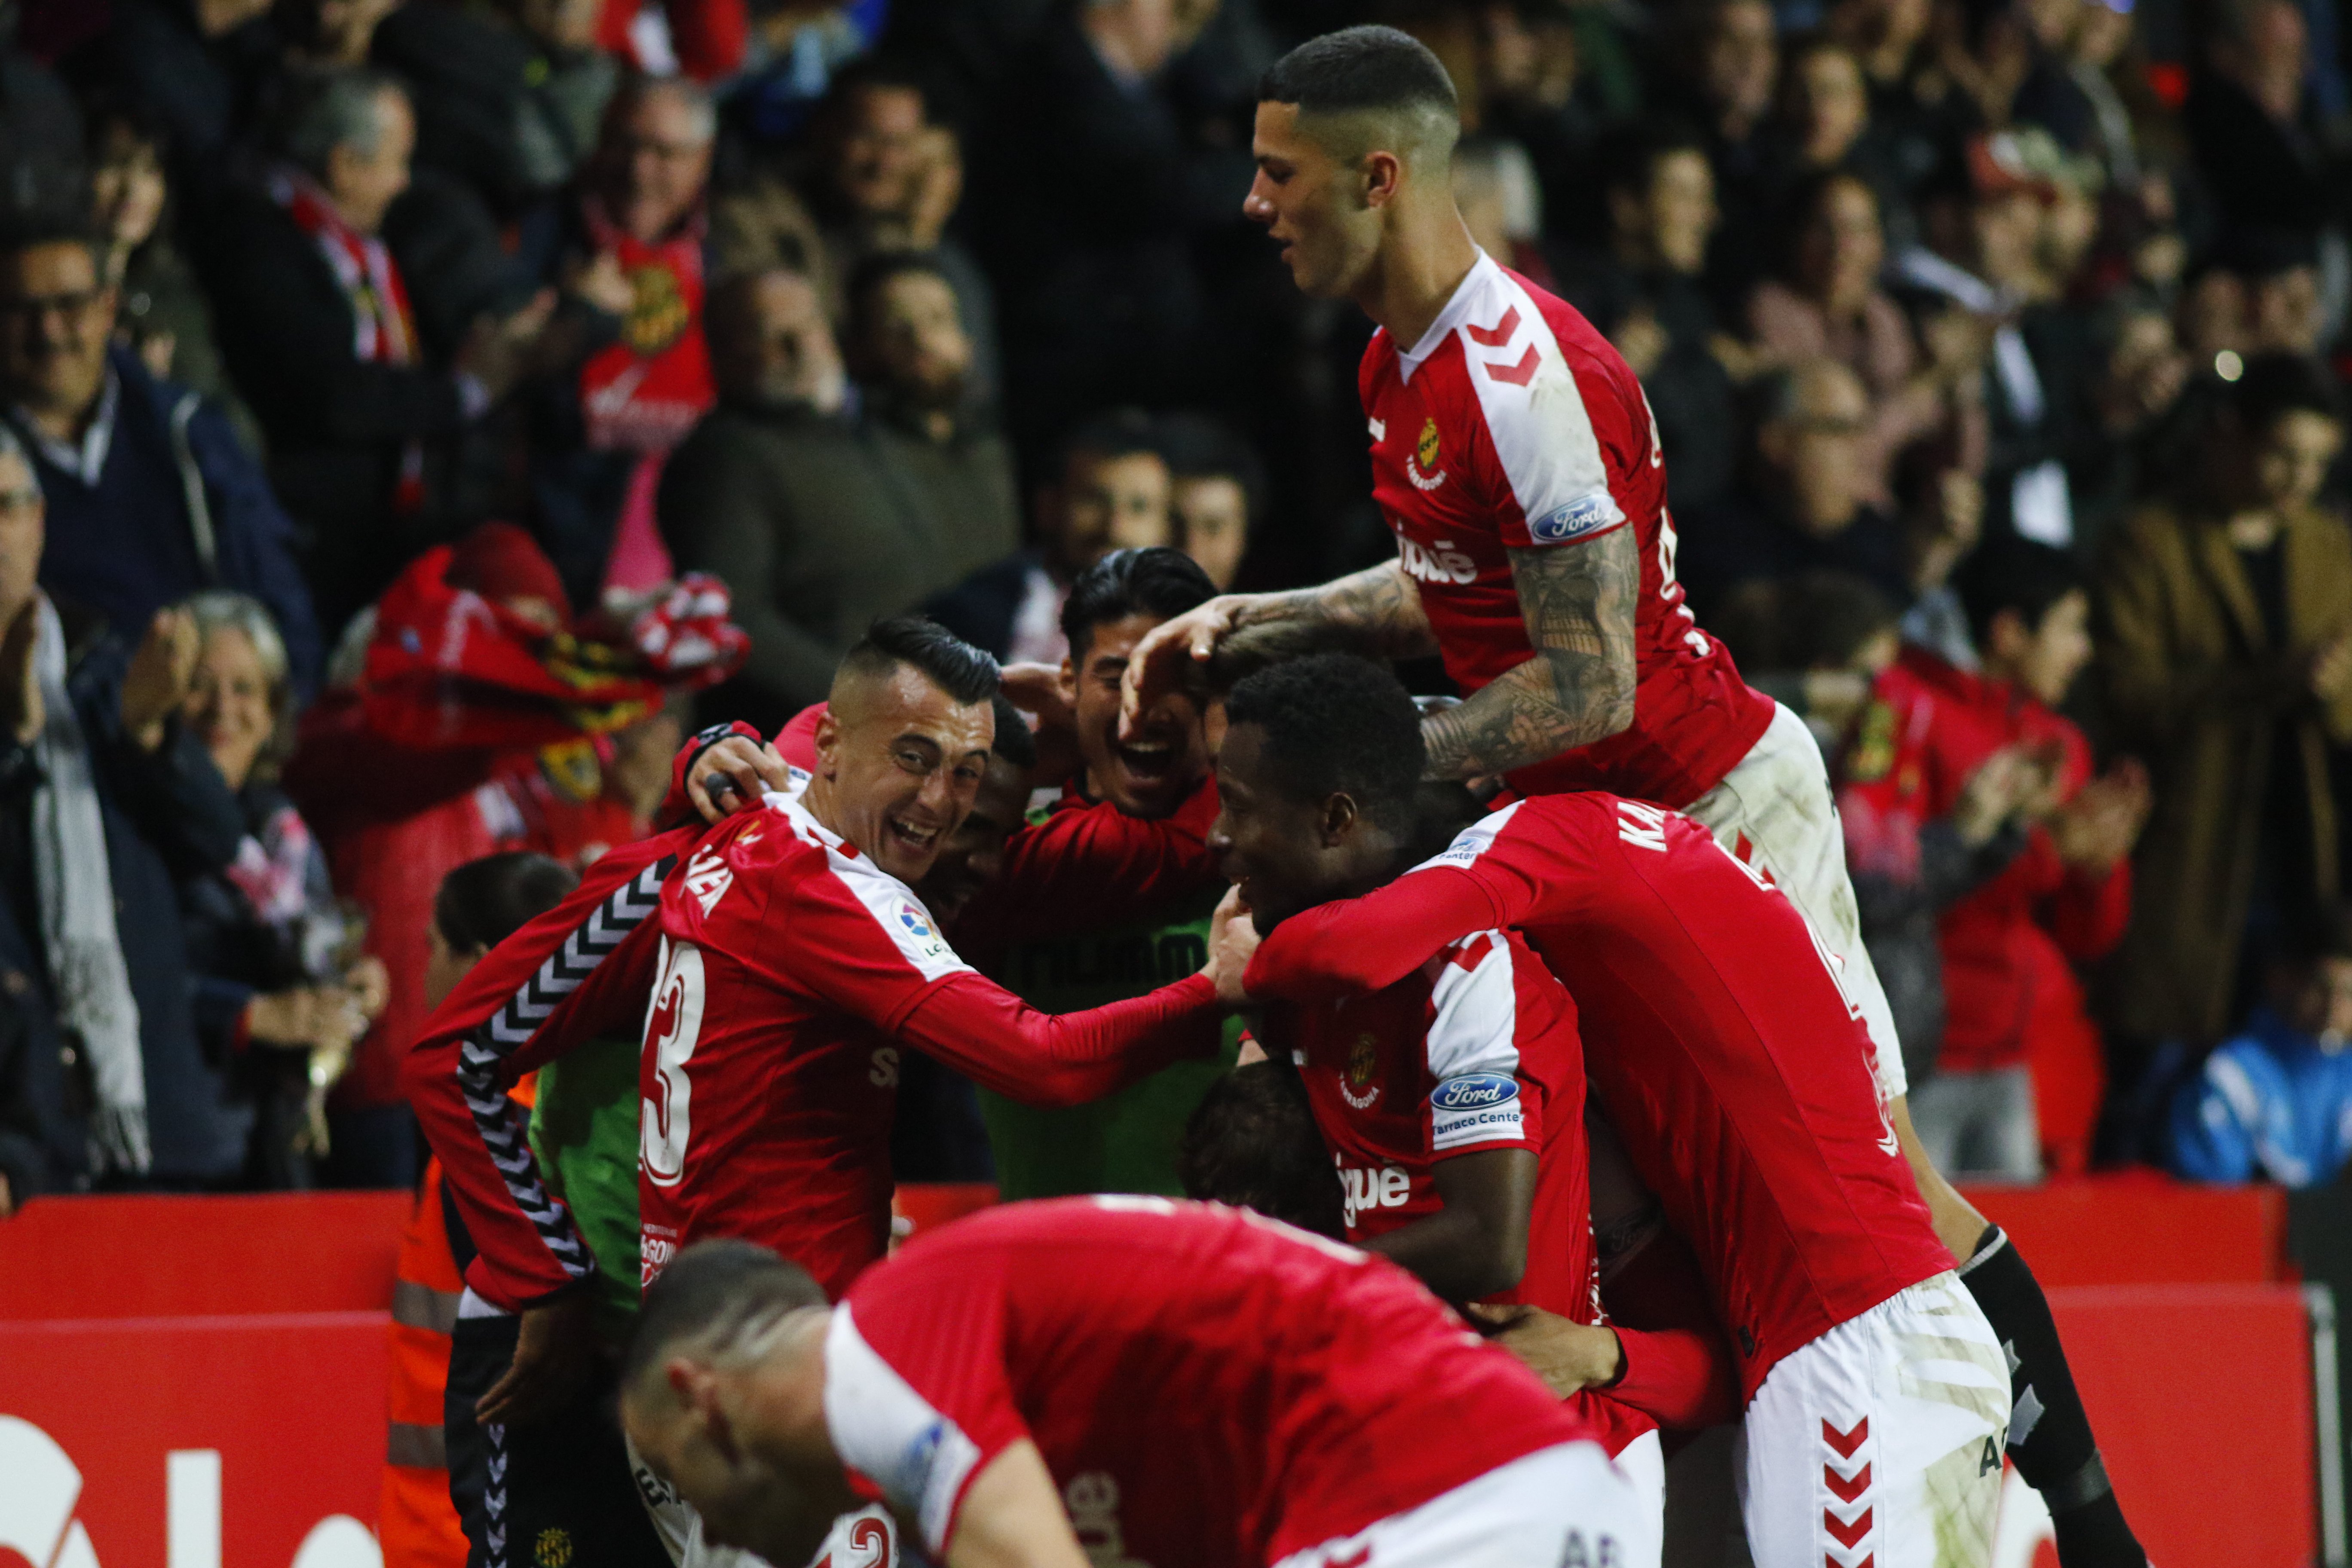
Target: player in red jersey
{"x":1114,"y":1380}
{"x":1451,"y":1099}
{"x":1733,"y":1067}
{"x":1515,"y":459}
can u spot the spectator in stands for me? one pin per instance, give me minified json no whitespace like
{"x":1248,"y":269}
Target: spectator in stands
{"x":163,"y":314}
{"x":1730,"y":60}
{"x":2010,"y":990}
{"x":1643,"y":289}
{"x":508,"y":95}
{"x":2254,"y":138}
{"x":325,"y":35}
{"x":1828,"y":301}
{"x":280,"y":991}
{"x":603,"y":424}
{"x":101,"y":793}
{"x":798,"y":502}
{"x":1216,"y":490}
{"x":2137,"y":412}
{"x":1825,"y":128}
{"x":2276,"y":1100}
{"x":2227,"y":652}
{"x":916,"y":365}
{"x":198,"y":66}
{"x":1804,"y":506}
{"x":1495,"y":190}
{"x":150,"y":495}
{"x":314,"y":318}
{"x":1109,"y":492}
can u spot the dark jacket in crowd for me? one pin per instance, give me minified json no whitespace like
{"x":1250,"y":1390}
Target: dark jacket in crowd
{"x":1689,"y":391}
{"x":819,"y":525}
{"x":1749,"y":536}
{"x":166,"y":814}
{"x":177,"y":506}
{"x":2261,"y":173}
{"x":337,"y":424}
{"x":981,"y":608}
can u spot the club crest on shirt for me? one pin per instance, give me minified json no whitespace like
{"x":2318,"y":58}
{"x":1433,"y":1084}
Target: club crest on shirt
{"x":1363,"y":1060}
{"x":1421,"y":468}
{"x":1586,"y":514}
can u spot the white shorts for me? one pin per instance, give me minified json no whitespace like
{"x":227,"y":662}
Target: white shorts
{"x":1558,"y":1506}
{"x":1776,"y":811}
{"x":1880,"y":1441}
{"x":866,"y":1538}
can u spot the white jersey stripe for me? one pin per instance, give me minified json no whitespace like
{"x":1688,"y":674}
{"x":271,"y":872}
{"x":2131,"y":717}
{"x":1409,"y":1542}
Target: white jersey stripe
{"x":1535,"y":415}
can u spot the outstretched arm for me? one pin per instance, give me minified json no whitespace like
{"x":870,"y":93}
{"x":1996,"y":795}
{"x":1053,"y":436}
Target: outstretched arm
{"x":1578,"y":604}
{"x":1376,"y":612}
{"x":989,"y":1036}
{"x":1012,"y":1517}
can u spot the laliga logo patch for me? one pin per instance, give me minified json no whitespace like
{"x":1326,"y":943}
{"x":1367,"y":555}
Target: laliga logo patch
{"x":1578,"y":518}
{"x":912,"y":919}
{"x":1474,"y":1091}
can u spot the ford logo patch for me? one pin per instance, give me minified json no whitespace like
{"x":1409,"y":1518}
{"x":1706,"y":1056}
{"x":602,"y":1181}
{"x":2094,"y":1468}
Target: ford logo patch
{"x":1587,"y":514}
{"x":1474,"y":1091}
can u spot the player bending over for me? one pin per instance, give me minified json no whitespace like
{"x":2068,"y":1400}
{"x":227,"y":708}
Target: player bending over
{"x":1737,"y":1073}
{"x":1515,"y":461}
{"x":1115,"y":1379}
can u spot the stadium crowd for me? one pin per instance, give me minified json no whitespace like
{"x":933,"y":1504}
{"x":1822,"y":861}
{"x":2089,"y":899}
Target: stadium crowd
{"x":455,"y":452}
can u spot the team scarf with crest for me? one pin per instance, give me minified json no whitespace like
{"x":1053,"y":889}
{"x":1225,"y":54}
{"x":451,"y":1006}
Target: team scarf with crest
{"x":384,"y":331}
{"x":644,"y":392}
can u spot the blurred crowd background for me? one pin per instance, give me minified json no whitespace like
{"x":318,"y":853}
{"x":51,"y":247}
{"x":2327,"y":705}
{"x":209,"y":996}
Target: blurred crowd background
{"x":416,"y":412}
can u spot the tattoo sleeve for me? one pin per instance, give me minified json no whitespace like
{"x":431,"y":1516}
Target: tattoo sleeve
{"x":1578,"y":604}
{"x":1375,"y":612}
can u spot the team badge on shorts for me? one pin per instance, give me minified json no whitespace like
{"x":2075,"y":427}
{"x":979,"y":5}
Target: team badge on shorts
{"x":553,"y":1548}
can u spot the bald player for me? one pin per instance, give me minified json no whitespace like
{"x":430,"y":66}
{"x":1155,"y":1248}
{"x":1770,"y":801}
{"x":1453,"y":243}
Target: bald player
{"x":1515,"y":459}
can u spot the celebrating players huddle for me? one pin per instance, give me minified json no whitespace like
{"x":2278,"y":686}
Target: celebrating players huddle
{"x":1570,"y":1117}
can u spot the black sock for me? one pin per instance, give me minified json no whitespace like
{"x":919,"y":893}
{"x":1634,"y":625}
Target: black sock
{"x":2048,"y":1434}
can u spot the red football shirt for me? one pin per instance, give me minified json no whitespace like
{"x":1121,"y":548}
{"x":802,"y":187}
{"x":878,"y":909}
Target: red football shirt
{"x":1716,"y":1035}
{"x":1513,"y":425}
{"x":1474,"y":1049}
{"x":793,"y":970}
{"x":1207,"y":1387}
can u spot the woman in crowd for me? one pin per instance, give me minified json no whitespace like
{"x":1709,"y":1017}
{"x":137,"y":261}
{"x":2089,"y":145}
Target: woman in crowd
{"x":274,"y":960}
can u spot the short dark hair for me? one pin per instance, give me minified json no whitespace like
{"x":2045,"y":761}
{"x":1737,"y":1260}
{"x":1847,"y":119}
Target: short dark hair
{"x":713,"y":1290}
{"x":1203,"y":447}
{"x":53,"y":224}
{"x":2313,"y":937}
{"x":484,"y":902}
{"x":964,"y":672}
{"x":1831,"y":617}
{"x":1152,"y":579}
{"x":2015,"y":574}
{"x":1115,"y":433}
{"x":1015,"y":741}
{"x":2274,"y":385}
{"x":1357,"y":69}
{"x":1252,"y":1143}
{"x":881,"y":267}
{"x":1337,"y":723}
{"x":1629,"y":156}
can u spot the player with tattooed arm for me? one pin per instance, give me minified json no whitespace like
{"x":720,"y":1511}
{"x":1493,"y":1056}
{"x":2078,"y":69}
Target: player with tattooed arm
{"x":1515,"y":461}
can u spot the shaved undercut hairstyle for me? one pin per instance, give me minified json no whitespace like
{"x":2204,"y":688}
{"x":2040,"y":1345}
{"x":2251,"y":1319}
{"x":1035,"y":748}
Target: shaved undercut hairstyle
{"x":1337,"y":724}
{"x":1387,"y":79}
{"x":968,"y":674}
{"x":715,"y":1301}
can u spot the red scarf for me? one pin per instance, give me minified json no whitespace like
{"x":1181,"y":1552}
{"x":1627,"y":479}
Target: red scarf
{"x":383,"y":331}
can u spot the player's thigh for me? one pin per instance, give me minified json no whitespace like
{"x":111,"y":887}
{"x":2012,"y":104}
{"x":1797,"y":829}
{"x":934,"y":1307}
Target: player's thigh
{"x":1777,"y":811}
{"x":1642,"y":1462}
{"x":1881,"y":1439}
{"x":1564,"y":1507}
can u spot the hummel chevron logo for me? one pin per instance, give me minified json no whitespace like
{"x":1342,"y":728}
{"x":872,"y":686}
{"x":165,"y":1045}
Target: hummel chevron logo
{"x":1498,"y":334}
{"x":1846,"y":1442}
{"x":1847,"y":1489}
{"x":1847,"y":1535}
{"x":1518,"y":375}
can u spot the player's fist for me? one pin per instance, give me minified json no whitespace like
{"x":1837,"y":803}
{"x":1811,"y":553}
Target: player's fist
{"x":1568,"y":1355}
{"x":733,"y":774}
{"x":1233,"y":943}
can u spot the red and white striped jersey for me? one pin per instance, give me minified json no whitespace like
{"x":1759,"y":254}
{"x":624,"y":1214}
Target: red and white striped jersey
{"x":793,"y":973}
{"x":1474,"y":1049}
{"x":1513,"y":425}
{"x":1207,"y":1387}
{"x":1717,"y":1033}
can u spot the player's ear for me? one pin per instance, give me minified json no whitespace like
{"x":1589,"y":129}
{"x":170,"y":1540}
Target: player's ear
{"x":827,"y":741}
{"x":1339,"y":816}
{"x":1069,"y":682}
{"x":1383,"y":175}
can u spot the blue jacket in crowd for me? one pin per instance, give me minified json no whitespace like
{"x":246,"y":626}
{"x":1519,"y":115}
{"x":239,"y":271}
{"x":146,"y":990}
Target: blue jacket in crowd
{"x":178,"y":506}
{"x":2272,"y":1102}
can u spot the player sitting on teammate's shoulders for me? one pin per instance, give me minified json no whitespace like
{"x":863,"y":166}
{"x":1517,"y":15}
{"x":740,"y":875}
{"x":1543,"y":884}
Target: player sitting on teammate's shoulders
{"x":1117,"y":1381}
{"x":2010,"y":990}
{"x":2277,"y":1101}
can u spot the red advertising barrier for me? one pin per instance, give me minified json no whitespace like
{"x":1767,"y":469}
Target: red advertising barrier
{"x":194,"y":1383}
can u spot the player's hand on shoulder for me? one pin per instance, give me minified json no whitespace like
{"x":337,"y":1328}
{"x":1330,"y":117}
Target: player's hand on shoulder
{"x":1233,"y":943}
{"x":731,"y":775}
{"x":1568,"y":1355}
